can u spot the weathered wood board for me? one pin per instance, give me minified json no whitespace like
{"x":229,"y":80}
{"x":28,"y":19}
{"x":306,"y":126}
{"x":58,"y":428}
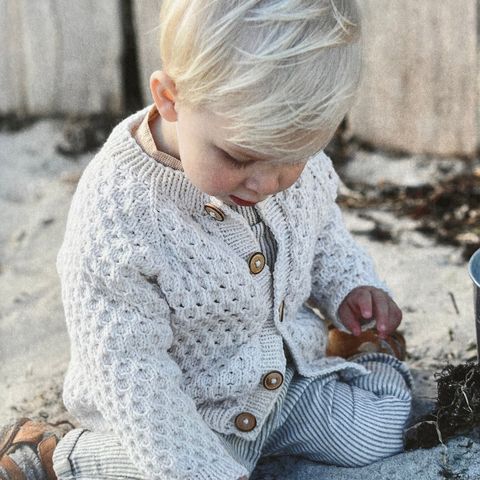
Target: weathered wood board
{"x":419,"y":91}
{"x":60,"y":56}
{"x":146,"y":21}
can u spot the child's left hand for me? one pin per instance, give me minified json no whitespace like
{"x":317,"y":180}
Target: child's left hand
{"x":365,"y":302}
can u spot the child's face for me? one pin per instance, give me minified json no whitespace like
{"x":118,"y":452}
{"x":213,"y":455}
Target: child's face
{"x":222,"y":170}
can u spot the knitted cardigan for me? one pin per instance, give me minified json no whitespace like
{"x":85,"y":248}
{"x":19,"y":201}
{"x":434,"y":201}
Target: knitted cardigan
{"x":171,"y":332}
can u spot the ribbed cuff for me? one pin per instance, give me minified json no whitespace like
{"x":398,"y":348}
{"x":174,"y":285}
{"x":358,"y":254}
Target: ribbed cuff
{"x":61,"y":454}
{"x":224,"y":469}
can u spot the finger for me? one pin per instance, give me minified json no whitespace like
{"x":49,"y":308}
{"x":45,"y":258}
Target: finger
{"x":361,"y":303}
{"x":381,"y":311}
{"x":349,"y":319}
{"x":385,"y":329}
{"x":395,"y":314}
{"x":394,"y":319}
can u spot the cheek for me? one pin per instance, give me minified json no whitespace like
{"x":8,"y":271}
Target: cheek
{"x":291,"y":175}
{"x":225,"y":180}
{"x":212,"y":178}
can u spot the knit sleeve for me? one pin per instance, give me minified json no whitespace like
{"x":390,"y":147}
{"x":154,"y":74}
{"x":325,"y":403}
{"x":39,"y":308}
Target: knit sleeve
{"x":118,"y":322}
{"x":340,"y":264}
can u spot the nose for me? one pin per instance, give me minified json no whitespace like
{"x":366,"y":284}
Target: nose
{"x":263,"y":183}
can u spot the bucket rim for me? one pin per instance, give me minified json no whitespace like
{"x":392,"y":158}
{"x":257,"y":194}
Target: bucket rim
{"x":474,"y":260}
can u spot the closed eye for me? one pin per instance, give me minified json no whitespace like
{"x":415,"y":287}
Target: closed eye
{"x":237,"y":163}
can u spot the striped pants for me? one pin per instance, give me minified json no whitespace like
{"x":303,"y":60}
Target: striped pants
{"x":333,"y":420}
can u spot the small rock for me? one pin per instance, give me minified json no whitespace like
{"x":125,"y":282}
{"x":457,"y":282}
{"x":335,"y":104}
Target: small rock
{"x":47,"y":221}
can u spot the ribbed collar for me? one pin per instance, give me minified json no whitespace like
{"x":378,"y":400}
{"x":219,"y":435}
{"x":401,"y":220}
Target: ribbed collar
{"x":143,"y":136}
{"x":167,"y":181}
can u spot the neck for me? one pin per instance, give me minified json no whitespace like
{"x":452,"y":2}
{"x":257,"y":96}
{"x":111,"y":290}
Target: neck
{"x":165,"y":136}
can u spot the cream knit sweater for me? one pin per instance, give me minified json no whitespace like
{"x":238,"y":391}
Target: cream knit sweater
{"x":171,"y":332}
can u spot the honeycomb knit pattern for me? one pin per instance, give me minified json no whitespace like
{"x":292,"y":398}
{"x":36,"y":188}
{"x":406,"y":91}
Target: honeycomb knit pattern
{"x":171,"y":332}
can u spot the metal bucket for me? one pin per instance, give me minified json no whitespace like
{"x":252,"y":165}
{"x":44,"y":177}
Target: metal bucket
{"x":474,"y":271}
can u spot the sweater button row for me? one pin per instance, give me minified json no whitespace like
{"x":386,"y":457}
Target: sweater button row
{"x":245,"y":422}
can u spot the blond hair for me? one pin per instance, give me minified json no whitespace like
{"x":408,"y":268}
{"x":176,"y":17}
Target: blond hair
{"x":282,"y":73}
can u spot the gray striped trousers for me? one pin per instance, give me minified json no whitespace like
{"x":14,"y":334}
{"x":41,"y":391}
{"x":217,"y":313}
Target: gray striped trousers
{"x":332,"y":419}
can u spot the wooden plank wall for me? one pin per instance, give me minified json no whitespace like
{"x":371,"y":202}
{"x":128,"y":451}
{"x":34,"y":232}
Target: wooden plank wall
{"x":59,"y":56}
{"x":419,"y":92}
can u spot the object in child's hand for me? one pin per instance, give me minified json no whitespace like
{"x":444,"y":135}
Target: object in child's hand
{"x":345,"y":345}
{"x":457,"y":410}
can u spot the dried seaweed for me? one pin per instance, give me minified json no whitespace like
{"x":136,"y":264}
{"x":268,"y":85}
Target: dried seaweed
{"x":457,"y":410}
{"x":448,"y":210}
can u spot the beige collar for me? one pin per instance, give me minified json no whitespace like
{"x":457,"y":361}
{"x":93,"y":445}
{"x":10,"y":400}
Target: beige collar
{"x":143,"y":136}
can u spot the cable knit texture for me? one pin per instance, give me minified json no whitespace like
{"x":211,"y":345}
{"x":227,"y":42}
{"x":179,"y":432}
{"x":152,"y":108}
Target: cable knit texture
{"x":170,"y":331}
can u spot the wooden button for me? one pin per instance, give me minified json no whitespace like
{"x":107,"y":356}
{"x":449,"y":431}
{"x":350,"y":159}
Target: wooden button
{"x":245,"y":422}
{"x":273,"y":380}
{"x":214,"y":212}
{"x":256,"y":262}
{"x":281,"y":310}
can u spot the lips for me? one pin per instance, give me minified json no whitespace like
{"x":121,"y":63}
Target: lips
{"x":242,"y":203}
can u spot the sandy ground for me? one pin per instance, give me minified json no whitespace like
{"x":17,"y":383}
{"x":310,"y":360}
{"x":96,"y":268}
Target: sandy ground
{"x":430,"y":283}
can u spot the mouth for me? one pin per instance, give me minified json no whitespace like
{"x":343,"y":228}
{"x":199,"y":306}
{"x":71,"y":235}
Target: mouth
{"x":242,"y":203}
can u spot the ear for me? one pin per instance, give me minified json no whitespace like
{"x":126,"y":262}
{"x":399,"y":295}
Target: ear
{"x":164,"y":94}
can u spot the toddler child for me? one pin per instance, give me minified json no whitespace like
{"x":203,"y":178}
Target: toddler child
{"x":198,"y":240}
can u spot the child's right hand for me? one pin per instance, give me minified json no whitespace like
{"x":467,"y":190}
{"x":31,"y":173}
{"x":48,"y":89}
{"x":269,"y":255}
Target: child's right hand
{"x":365,"y":302}
{"x":243,"y":478}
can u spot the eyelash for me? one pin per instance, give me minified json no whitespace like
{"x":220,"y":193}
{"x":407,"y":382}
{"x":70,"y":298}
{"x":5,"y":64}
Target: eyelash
{"x":236,"y":163}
